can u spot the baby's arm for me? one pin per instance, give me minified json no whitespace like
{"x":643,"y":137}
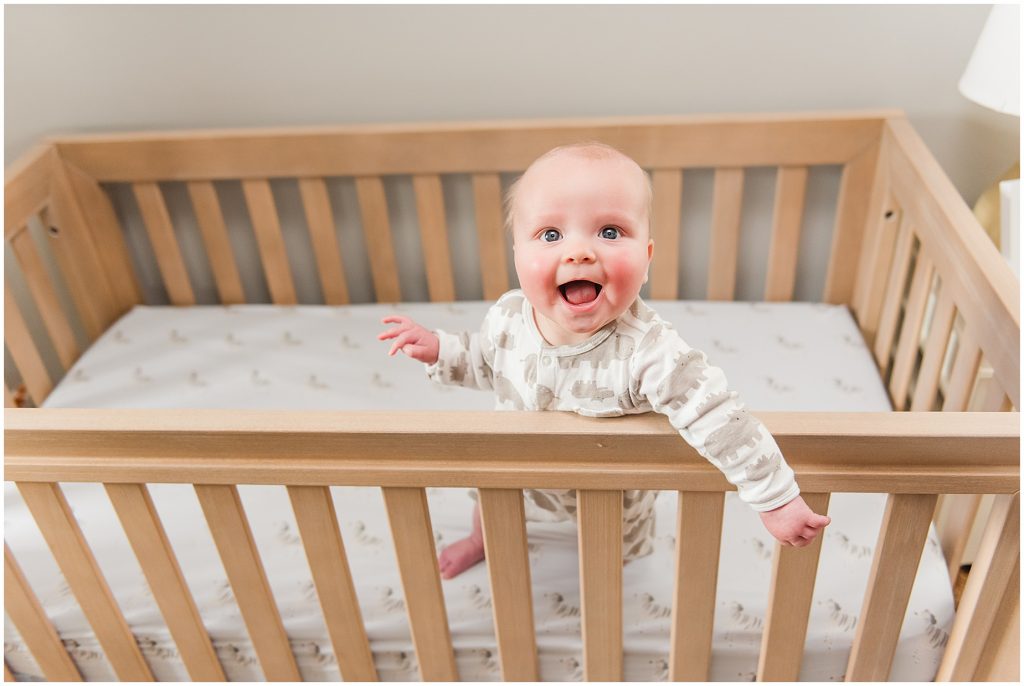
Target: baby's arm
{"x":678,"y":382}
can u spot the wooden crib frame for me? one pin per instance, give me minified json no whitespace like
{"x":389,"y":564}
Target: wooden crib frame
{"x":902,"y":234}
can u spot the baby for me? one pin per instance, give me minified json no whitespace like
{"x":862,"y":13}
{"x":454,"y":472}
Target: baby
{"x":577,"y":337}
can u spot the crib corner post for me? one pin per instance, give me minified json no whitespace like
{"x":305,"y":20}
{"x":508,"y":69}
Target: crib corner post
{"x":982,"y":641}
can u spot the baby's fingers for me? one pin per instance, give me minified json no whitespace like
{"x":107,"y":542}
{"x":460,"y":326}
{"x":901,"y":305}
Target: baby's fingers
{"x":396,"y":319}
{"x":406,"y":337}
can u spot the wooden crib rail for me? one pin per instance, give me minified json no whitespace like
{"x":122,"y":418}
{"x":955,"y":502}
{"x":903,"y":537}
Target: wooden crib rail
{"x":911,"y":456}
{"x":918,"y":452}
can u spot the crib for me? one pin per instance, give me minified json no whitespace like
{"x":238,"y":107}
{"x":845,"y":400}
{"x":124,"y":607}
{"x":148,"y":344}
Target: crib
{"x":934,"y":301}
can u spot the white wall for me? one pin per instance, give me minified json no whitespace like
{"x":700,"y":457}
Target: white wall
{"x":106,"y":68}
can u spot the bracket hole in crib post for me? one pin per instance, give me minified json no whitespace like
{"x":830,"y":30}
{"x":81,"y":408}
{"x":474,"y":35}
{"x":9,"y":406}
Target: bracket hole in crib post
{"x":54,"y":231}
{"x":889,"y":214}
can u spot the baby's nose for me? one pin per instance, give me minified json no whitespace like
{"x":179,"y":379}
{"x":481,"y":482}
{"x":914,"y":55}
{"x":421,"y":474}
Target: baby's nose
{"x":579,"y":252}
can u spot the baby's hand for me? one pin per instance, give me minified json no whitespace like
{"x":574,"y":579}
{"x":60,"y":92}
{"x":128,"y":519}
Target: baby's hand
{"x":412,"y":339}
{"x":794,"y":523}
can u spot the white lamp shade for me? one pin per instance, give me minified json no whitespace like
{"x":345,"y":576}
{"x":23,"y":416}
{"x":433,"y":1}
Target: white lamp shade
{"x":992,"y":77}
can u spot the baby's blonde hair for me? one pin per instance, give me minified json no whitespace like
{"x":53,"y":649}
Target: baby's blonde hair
{"x":588,"y":149}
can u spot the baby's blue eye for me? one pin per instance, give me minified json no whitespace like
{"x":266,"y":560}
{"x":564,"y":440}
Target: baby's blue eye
{"x":610,"y":232}
{"x":550,"y":235}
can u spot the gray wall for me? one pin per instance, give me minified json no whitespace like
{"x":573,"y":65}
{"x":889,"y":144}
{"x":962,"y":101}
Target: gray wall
{"x":108,"y":68}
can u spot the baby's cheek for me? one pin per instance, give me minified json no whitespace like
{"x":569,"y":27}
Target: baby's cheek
{"x":625,"y":272}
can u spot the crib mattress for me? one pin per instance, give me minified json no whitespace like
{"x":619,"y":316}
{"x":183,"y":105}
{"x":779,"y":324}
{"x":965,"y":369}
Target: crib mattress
{"x":780,"y":356}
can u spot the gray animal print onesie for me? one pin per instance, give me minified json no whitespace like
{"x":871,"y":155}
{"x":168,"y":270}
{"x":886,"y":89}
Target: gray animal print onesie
{"x":635,"y":364}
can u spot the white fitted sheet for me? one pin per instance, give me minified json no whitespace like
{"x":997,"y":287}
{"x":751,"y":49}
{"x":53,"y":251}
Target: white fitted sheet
{"x":784,"y":356}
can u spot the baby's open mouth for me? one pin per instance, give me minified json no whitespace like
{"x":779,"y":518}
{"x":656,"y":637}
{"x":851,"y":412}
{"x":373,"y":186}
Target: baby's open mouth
{"x":580,"y":292}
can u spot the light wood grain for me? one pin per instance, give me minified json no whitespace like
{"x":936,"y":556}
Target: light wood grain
{"x":27,"y":186}
{"x":24,"y":352}
{"x":76,"y":562}
{"x":997,"y":561}
{"x":851,"y":219}
{"x":469,"y":147}
{"x":164,"y":242}
{"x":215,"y":238}
{"x":877,"y":250}
{"x":267,"y":227}
{"x":934,"y":353}
{"x":600,"y":542}
{"x":490,"y":233}
{"x":893,"y":569}
{"x":508,"y":566}
{"x":790,"y":191}
{"x":434,"y":237}
{"x":325,"y":550}
{"x":726,"y":211}
{"x":373,"y":207}
{"x":1000,"y":657}
{"x":910,"y":331}
{"x":56,"y":321}
{"x":789,"y":603}
{"x":954,"y":534}
{"x":421,"y":582}
{"x":153,"y":550}
{"x":985,"y":289}
{"x":698,"y":545}
{"x":963,"y":374}
{"x":667,"y":185}
{"x":41,"y":639}
{"x":320,"y":219}
{"x":107,"y":236}
{"x":231,"y":533}
{"x":895,"y":283}
{"x":7,"y":673}
{"x":854,"y":452}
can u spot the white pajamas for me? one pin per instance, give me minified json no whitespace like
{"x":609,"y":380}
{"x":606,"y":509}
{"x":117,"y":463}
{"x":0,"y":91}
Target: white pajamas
{"x":635,"y":364}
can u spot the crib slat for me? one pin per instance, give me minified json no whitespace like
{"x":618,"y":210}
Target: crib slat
{"x":851,"y":215}
{"x":790,"y":191}
{"x":24,"y":352}
{"x":934,"y":352}
{"x":600,"y":532}
{"x":7,"y":673}
{"x":373,"y":207}
{"x":45,"y":296}
{"x":434,"y":236}
{"x":910,"y":331}
{"x":265,"y":224}
{"x":320,"y":219}
{"x":996,"y":563}
{"x":668,"y":190}
{"x":222,"y":508}
{"x":421,"y":581}
{"x":508,"y":564}
{"x":897,"y":279}
{"x":491,"y":234}
{"x":789,"y":604}
{"x":325,"y":550}
{"x":725,"y":233}
{"x":64,"y":248}
{"x":215,"y":238}
{"x":35,"y":628}
{"x":9,"y":398}
{"x":962,"y":376}
{"x":1000,"y":658}
{"x":56,"y":522}
{"x":953,"y":535}
{"x":153,"y":550}
{"x":698,"y":546}
{"x":893,"y":569}
{"x":165,"y":244}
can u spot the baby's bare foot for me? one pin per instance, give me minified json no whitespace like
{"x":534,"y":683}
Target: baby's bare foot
{"x":460,"y":556}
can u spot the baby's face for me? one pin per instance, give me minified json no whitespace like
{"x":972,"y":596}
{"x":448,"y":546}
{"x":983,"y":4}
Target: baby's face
{"x":582,"y":242}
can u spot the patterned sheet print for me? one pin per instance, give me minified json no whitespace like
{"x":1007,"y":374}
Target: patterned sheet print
{"x":351,"y":371}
